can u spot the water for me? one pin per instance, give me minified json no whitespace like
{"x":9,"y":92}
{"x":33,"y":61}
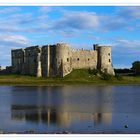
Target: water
{"x":76,"y":109}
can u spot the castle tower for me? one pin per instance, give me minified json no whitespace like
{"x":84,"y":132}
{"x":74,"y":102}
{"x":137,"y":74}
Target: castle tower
{"x":104,"y":60}
{"x":63,"y":59}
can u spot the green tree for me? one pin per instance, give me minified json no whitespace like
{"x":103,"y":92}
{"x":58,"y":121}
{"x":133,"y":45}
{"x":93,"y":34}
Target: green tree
{"x":136,"y":67}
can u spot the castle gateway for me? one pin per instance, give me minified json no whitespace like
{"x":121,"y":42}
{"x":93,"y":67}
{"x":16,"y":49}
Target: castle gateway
{"x":60,"y":60}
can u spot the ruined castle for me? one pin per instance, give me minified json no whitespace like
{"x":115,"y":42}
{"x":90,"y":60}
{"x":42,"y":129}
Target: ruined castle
{"x":60,"y":60}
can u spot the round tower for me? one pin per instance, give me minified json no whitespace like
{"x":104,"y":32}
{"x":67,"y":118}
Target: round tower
{"x":63,"y":59}
{"x":104,"y":62}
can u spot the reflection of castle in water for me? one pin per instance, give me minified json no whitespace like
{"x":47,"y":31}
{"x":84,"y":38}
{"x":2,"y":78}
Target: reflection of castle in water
{"x":51,"y":116}
{"x":62,"y":106}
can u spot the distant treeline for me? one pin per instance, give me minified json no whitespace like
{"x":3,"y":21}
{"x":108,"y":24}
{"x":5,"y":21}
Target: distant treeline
{"x":123,"y":71}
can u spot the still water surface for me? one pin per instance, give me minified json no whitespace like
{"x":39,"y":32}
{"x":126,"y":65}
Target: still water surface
{"x":76,"y":109}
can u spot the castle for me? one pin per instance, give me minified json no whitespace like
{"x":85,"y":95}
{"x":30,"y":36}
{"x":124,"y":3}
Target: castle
{"x":60,"y":60}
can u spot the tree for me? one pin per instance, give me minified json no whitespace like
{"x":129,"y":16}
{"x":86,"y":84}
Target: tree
{"x":136,"y":67}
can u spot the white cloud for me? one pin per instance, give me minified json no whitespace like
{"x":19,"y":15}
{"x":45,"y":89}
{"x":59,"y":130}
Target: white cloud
{"x":122,"y":18}
{"x":77,"y":20}
{"x":129,"y":12}
{"x":8,"y":42}
{"x":113,"y":23}
{"x":45,"y":9}
{"x":67,"y":26}
{"x":133,"y":44}
{"x":9,"y":10}
{"x":13,"y":39}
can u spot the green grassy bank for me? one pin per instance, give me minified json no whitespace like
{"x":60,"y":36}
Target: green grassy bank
{"x":77,"y":77}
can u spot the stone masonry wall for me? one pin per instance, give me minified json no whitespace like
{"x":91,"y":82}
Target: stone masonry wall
{"x":32,"y":61}
{"x":60,"y":60}
{"x":84,"y":59}
{"x":17,"y":60}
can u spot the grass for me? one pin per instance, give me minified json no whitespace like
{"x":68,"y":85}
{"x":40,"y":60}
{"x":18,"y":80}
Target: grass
{"x":75,"y":78}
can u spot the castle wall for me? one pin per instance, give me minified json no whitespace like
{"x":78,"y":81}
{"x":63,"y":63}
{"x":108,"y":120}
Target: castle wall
{"x":17,"y":60}
{"x":45,"y":61}
{"x":52,"y":60}
{"x":60,"y":60}
{"x":84,"y":59}
{"x":32,"y":62}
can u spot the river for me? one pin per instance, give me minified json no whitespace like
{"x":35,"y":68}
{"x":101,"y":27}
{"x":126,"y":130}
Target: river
{"x":70,"y":109}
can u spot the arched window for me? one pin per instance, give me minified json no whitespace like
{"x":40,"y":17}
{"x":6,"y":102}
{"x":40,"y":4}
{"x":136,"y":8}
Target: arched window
{"x":77,"y":59}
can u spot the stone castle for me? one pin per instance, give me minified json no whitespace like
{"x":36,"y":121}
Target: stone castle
{"x":60,"y":60}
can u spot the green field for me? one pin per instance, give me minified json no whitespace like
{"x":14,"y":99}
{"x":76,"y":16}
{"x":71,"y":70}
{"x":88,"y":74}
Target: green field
{"x":77,"y":77}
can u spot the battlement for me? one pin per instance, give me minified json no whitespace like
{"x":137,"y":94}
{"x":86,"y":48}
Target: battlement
{"x":60,"y":59}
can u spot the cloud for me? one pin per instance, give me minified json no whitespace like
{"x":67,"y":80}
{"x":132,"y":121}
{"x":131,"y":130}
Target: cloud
{"x":14,"y":22}
{"x":18,"y":19}
{"x":85,"y":20}
{"x":12,"y":40}
{"x":21,"y":18}
{"x":129,"y":44}
{"x":68,"y":20}
{"x":9,"y":10}
{"x":113,"y":23}
{"x":77,"y":20}
{"x":22,"y":22}
{"x":129,"y":12}
{"x":57,"y":23}
{"x":45,"y":9}
{"x":122,"y":18}
{"x":8,"y":42}
{"x":125,"y":52}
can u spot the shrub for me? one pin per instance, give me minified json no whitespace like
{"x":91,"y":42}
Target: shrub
{"x":93,"y":71}
{"x":118,"y":77}
{"x":106,"y":76}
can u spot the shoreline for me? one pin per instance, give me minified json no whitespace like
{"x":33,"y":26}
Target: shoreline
{"x":63,"y":133}
{"x":36,"y":82}
{"x":77,"y":77}
{"x":79,"y":84}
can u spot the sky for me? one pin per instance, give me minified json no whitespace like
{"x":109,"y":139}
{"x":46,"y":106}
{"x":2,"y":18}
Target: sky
{"x":79,"y":26}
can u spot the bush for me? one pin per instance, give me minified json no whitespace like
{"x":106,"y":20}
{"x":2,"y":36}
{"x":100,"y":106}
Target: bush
{"x":93,"y":71}
{"x":118,"y":77}
{"x":136,"y":67}
{"x":106,"y":76}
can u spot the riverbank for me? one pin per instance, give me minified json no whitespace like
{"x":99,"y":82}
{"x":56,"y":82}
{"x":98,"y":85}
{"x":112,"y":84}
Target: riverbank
{"x":77,"y":77}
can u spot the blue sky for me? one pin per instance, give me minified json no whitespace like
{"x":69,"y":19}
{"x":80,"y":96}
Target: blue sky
{"x":79,"y":26}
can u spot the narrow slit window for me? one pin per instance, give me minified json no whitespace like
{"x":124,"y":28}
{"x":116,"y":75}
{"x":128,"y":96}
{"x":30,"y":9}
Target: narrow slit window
{"x":67,"y":59}
{"x":109,"y":60}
